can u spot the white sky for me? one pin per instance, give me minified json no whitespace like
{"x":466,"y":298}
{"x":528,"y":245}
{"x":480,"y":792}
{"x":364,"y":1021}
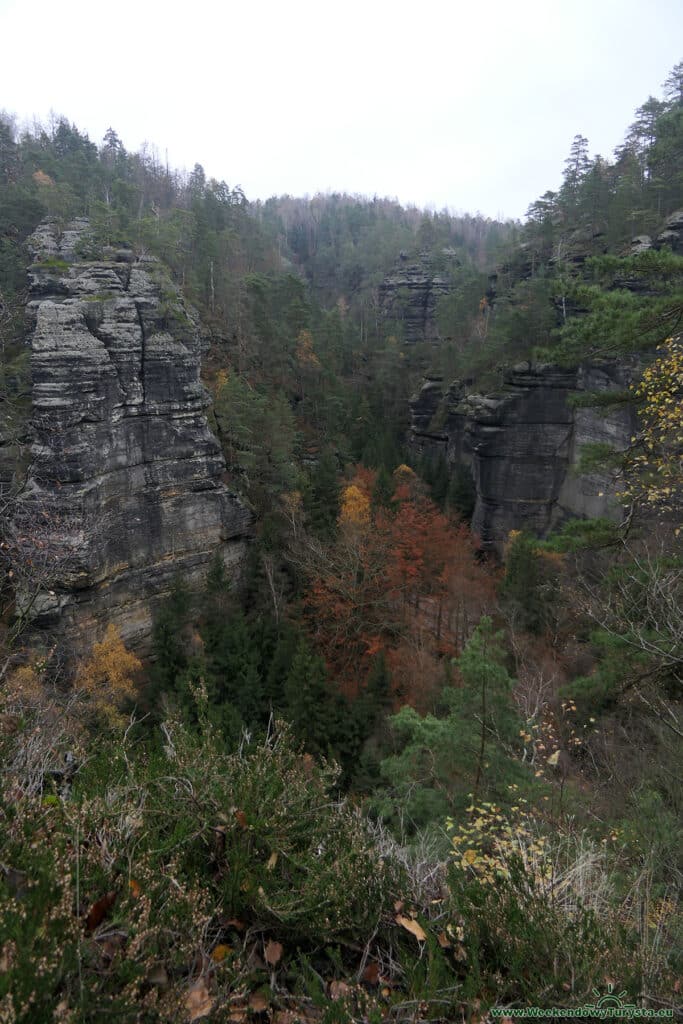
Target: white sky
{"x":436,"y":102}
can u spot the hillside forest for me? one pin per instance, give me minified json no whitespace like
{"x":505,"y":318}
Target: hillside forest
{"x":386,"y":771}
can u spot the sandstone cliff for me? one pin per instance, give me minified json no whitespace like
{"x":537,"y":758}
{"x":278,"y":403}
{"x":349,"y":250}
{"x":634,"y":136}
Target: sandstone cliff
{"x":523,"y":445}
{"x":127,"y":479}
{"x":409,"y":295}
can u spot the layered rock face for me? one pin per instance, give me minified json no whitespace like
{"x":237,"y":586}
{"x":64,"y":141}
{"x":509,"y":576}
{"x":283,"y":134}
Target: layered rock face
{"x":126,"y":474}
{"x":409,"y":296}
{"x":524,"y":445}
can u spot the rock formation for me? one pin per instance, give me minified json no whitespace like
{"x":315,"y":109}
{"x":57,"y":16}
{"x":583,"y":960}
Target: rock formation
{"x":524,"y":444}
{"x":409,"y":295}
{"x":126,"y":482}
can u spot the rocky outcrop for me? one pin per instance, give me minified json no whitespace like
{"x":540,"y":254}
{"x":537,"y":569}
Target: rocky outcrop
{"x":524,"y":444}
{"x":672,"y":233}
{"x":439,"y":421}
{"x":409,"y":295}
{"x":126,"y":474}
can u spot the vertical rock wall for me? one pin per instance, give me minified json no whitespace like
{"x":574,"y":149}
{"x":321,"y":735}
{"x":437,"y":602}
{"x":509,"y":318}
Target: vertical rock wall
{"x":126,"y":474}
{"x":524,"y":444}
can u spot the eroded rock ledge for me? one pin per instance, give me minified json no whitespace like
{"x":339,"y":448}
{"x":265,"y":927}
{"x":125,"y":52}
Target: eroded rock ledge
{"x":124,"y":463}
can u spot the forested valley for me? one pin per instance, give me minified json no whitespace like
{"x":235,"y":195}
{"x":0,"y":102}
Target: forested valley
{"x":378,"y":764}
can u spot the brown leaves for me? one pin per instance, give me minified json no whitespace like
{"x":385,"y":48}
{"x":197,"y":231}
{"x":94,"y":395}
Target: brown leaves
{"x":340,"y":990}
{"x":199,"y":1002}
{"x":99,"y":911}
{"x":412,"y":926}
{"x":273,"y":952}
{"x":371,"y":973}
{"x":258,"y":1002}
{"x":42,"y":179}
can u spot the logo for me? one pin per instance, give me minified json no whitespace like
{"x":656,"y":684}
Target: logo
{"x":609,"y":1006}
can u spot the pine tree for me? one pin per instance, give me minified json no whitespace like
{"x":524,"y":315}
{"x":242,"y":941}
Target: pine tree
{"x":441,"y":761}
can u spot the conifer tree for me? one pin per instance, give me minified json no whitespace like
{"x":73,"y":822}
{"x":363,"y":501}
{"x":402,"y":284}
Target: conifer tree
{"x":521,"y":588}
{"x":168,"y":643}
{"x":324,"y":496}
{"x":309,"y":705}
{"x":383,"y":491}
{"x":233,"y":665}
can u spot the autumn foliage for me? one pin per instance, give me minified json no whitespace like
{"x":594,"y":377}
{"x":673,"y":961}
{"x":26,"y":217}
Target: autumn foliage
{"x":108,"y":676}
{"x":405,"y":580}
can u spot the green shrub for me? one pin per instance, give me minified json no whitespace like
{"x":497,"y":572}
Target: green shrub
{"x":115,"y":899}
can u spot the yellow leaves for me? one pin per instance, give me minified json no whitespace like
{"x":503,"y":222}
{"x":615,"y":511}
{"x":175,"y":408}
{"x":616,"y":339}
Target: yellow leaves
{"x":23,"y":686}
{"x":489,"y":841}
{"x":655,"y":472}
{"x":554,"y":759}
{"x":220,"y":952}
{"x":411,"y":926}
{"x":355,"y":508}
{"x":108,"y":676}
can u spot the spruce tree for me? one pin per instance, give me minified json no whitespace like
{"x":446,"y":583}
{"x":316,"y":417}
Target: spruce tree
{"x":521,"y":592}
{"x":383,"y":491}
{"x":309,"y":705}
{"x":233,"y":666}
{"x":169,"y":649}
{"x":323,"y":497}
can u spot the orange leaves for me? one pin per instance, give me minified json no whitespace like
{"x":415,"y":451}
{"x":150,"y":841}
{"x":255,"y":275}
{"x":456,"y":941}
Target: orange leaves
{"x":42,"y":179}
{"x":108,"y":676}
{"x":408,"y":580}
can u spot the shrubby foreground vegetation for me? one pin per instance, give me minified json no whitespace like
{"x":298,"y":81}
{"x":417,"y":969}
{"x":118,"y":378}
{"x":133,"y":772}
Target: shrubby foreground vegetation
{"x":394,"y":778}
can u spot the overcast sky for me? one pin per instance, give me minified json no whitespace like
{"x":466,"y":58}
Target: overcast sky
{"x":469,"y":105}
